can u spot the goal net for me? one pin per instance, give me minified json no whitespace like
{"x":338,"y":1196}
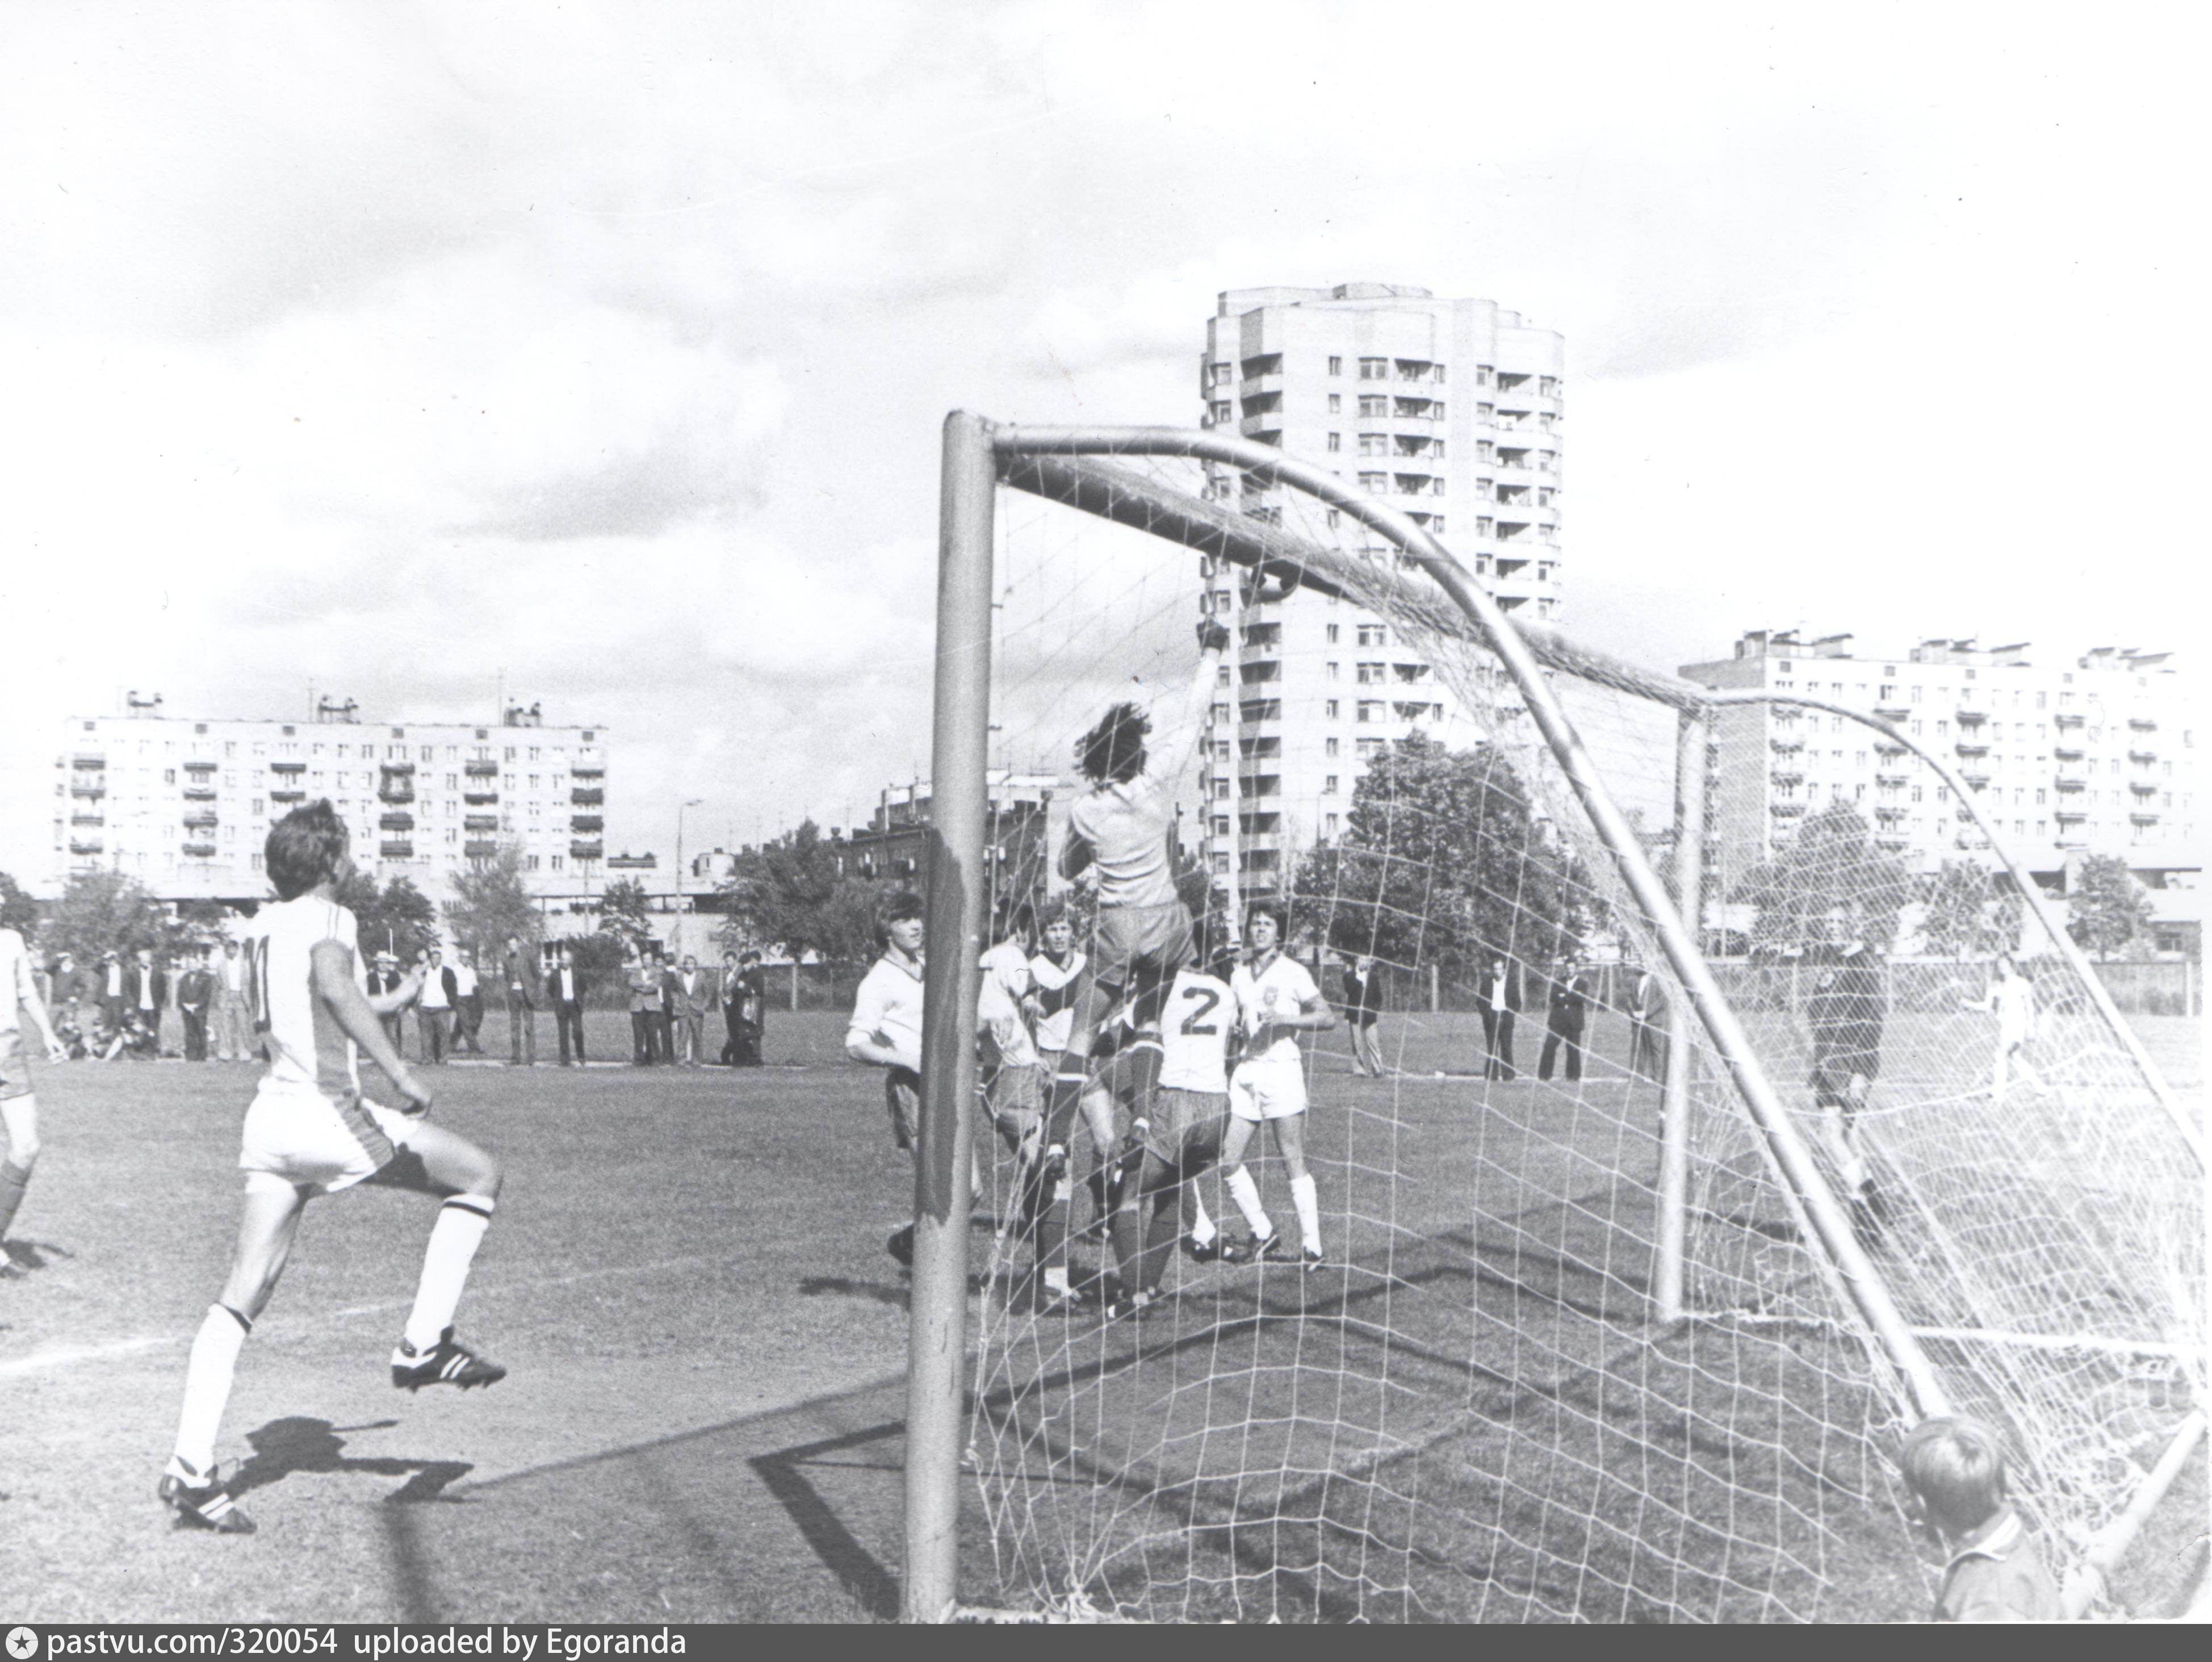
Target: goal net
{"x":1634,"y":1270}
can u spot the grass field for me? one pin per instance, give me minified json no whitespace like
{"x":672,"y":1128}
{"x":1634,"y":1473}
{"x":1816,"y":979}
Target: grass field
{"x":706,"y":1340}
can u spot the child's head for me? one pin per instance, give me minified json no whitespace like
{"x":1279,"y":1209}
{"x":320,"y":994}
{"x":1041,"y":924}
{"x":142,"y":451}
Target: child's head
{"x":1114,"y":750}
{"x":899,"y":919}
{"x":1955,"y":1468}
{"x":307,"y":847}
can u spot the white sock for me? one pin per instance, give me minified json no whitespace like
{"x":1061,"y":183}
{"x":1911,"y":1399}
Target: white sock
{"x":461,"y":1224}
{"x":1201,"y":1226}
{"x":1055,"y":1278}
{"x":1309,"y":1205}
{"x":207,"y":1387}
{"x":1245,"y":1194}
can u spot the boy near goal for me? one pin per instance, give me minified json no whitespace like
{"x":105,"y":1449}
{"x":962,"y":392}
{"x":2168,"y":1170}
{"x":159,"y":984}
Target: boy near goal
{"x":885,"y":1031}
{"x":1276,"y":1001}
{"x":310,"y":1131}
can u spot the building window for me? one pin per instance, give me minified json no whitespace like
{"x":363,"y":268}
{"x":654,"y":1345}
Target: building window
{"x":1335,"y":403}
{"x":1336,"y":367}
{"x":1372,"y":405}
{"x":1329,"y":746}
{"x":1374,"y":444}
{"x":1332,"y":634}
{"x":1328,"y":712}
{"x":1336,"y":441}
{"x":1329,"y":785}
{"x":1374,"y":368}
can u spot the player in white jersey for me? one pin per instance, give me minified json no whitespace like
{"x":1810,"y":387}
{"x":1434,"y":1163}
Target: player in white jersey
{"x":311,"y":1132}
{"x":18,"y":1106}
{"x":885,"y":1031}
{"x":2012,"y":1001}
{"x":1182,"y":1134}
{"x":1276,"y":1001}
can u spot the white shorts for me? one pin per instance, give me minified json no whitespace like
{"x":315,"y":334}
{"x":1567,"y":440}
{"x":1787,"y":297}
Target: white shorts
{"x":295,"y":1133}
{"x":1266,"y":1090}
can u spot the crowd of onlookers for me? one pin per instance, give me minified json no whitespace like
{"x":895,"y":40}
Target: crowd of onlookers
{"x":114,"y":1009}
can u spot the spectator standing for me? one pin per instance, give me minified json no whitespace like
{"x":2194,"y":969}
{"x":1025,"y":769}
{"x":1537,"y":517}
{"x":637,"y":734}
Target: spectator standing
{"x":1844,"y":1017}
{"x":114,"y":986}
{"x":693,"y":990}
{"x":730,"y":989}
{"x":644,"y":995}
{"x":1647,"y":1037}
{"x":234,"y":1030}
{"x":752,"y":1015}
{"x":521,"y":977}
{"x":1568,"y":1009}
{"x":565,"y":993}
{"x":384,"y":980}
{"x":149,"y":996}
{"x":1500,"y":1000}
{"x":195,"y":998}
{"x":434,"y":1010}
{"x":468,"y":1002}
{"x":1362,"y":1008}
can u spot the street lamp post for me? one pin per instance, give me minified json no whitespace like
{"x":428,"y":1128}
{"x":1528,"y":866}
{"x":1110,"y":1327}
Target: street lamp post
{"x":693,"y":803}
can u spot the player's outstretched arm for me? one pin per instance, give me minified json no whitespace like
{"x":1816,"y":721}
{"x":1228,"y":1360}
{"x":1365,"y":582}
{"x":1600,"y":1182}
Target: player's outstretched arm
{"x":349,"y":1006}
{"x":871,"y":1048}
{"x":409,"y":990}
{"x":1172,"y":741}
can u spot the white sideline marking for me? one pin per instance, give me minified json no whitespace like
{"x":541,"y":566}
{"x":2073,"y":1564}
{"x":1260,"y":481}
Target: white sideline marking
{"x":43,"y":1361}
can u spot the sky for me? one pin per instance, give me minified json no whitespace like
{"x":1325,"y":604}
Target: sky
{"x":599,"y":351}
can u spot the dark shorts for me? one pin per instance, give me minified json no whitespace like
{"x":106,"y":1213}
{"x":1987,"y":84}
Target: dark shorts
{"x":1015,"y":1094}
{"x":902,"y":1098}
{"x":1187,"y":1128}
{"x":1145,"y":945}
{"x":14,"y":1067}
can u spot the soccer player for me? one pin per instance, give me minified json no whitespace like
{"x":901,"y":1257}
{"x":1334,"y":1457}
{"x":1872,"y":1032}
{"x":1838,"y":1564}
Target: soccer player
{"x":19,"y":1104}
{"x":1276,"y":1001}
{"x":2012,"y":1001}
{"x":1955,"y":1476}
{"x":885,"y":1031}
{"x":310,"y":1131}
{"x":1844,"y":1016}
{"x":1182,"y":1135}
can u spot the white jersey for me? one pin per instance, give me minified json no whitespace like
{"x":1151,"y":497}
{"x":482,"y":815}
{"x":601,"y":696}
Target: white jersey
{"x":307,"y":1046}
{"x":1055,"y":989}
{"x":2013,"y":1000}
{"x":19,"y":983}
{"x":1194,"y":1034}
{"x":1284,"y":987}
{"x":1127,"y":826}
{"x":888,"y":1007}
{"x":464,"y":980}
{"x":998,"y":1009}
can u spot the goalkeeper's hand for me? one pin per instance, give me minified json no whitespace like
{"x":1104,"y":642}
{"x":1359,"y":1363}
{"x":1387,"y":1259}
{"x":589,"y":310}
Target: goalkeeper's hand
{"x":1212,"y":635}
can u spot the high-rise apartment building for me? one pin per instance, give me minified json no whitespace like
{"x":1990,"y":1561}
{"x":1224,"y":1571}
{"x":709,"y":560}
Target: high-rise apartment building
{"x":2095,"y":756}
{"x":1449,"y":410}
{"x":184,"y":806}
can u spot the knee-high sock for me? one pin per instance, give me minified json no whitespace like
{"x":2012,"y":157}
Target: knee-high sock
{"x":1303,"y":1198}
{"x":1052,"y":1234}
{"x":460,"y":1227}
{"x":207,"y":1386}
{"x":14,"y":1179}
{"x":1245,"y":1194}
{"x":1126,"y":1230}
{"x":1193,"y":1211}
{"x":1160,"y":1236}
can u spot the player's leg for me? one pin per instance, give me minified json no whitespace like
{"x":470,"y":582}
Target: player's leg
{"x":19,"y":1118}
{"x":268,"y":1223}
{"x":1290,"y":1134}
{"x":437,"y":1161}
{"x":1550,"y":1053}
{"x":1244,"y":1121}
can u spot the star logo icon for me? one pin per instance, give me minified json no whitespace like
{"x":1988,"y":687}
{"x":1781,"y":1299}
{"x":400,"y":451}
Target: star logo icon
{"x":22,"y":1644}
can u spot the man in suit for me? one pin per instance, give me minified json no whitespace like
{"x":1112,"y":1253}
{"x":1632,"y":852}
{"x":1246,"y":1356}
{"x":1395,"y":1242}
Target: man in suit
{"x":433,"y":1011}
{"x":729,"y":986}
{"x":234,"y":1027}
{"x":1499,"y":997}
{"x":694,"y":992}
{"x":384,"y":979}
{"x":1568,"y":1009}
{"x":521,"y":977}
{"x":194,"y":996}
{"x":663,"y":1013}
{"x":468,"y":1002}
{"x":752,"y":1011}
{"x":112,"y":983}
{"x":146,"y":995}
{"x":564,"y":992}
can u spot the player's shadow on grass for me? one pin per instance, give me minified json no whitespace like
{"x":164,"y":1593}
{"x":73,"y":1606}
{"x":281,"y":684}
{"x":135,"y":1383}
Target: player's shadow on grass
{"x":898,"y":1297}
{"x":26,"y":1255}
{"x":297,"y":1444}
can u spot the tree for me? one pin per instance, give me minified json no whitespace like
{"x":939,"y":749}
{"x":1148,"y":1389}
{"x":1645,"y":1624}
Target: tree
{"x":1442,"y":862}
{"x":490,"y":904}
{"x":18,"y":911}
{"x":2105,"y":907}
{"x":1965,"y":916}
{"x":624,"y":913}
{"x":106,"y":912}
{"x":1830,"y":878}
{"x":795,"y":893}
{"x":398,"y":918}
{"x":597,"y":960}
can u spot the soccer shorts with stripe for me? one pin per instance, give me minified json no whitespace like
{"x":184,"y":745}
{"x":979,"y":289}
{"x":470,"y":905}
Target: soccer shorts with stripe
{"x":295,"y":1133}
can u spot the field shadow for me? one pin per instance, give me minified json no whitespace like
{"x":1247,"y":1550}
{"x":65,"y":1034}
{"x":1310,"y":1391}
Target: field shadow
{"x":844,"y":1287}
{"x":297,"y":1444}
{"x":26,"y":1255}
{"x":857,"y":1569}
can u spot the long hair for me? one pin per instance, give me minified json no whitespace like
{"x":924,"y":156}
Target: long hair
{"x":1114,"y":750}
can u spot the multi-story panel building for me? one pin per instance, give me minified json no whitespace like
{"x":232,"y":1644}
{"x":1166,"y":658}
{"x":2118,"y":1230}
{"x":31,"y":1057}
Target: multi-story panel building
{"x":2097,"y":756}
{"x":1449,"y":410}
{"x":184,"y":806}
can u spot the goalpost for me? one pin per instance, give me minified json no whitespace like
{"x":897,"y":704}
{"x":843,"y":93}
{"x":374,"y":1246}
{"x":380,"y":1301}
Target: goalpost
{"x":1617,"y":1348}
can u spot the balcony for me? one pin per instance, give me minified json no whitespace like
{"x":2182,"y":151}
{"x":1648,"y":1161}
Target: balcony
{"x":1893,"y":712}
{"x":1971,"y":715}
{"x":1787,"y":776}
{"x":1972,"y":747}
{"x":2067,"y":718}
{"x":1893,"y":780}
{"x":480,"y":822}
{"x":2069,"y":816}
{"x":1890,"y":747}
{"x":2143,"y":787}
{"x":2069,"y":780}
{"x":86,"y":845}
{"x":1892,"y":840}
{"x":405,"y":768}
{"x":1785,"y":810}
{"x":587,"y":825}
{"x":396,"y":822}
{"x":2068,"y":752}
{"x":1260,"y":709}
{"x":1977,"y":777}
{"x":288,"y":767}
{"x":587,"y":797}
{"x":588,"y":850}
{"x":2142,"y":723}
{"x":480,"y":799}
{"x":396,"y":849}
{"x":199,"y":792}
{"x":1889,"y":816}
{"x":91,"y":760}
{"x":288,"y":797}
{"x":2142,"y":817}
{"x":200,"y":850}
{"x":481,"y":769}
{"x":480,"y":847}
{"x":1786,"y":747}
{"x":199,"y":767}
{"x":199,"y":822}
{"x":80,"y":788}
{"x":88,"y":819}
{"x":2142,"y":756}
{"x":392,"y":792}
{"x":589,"y":770}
